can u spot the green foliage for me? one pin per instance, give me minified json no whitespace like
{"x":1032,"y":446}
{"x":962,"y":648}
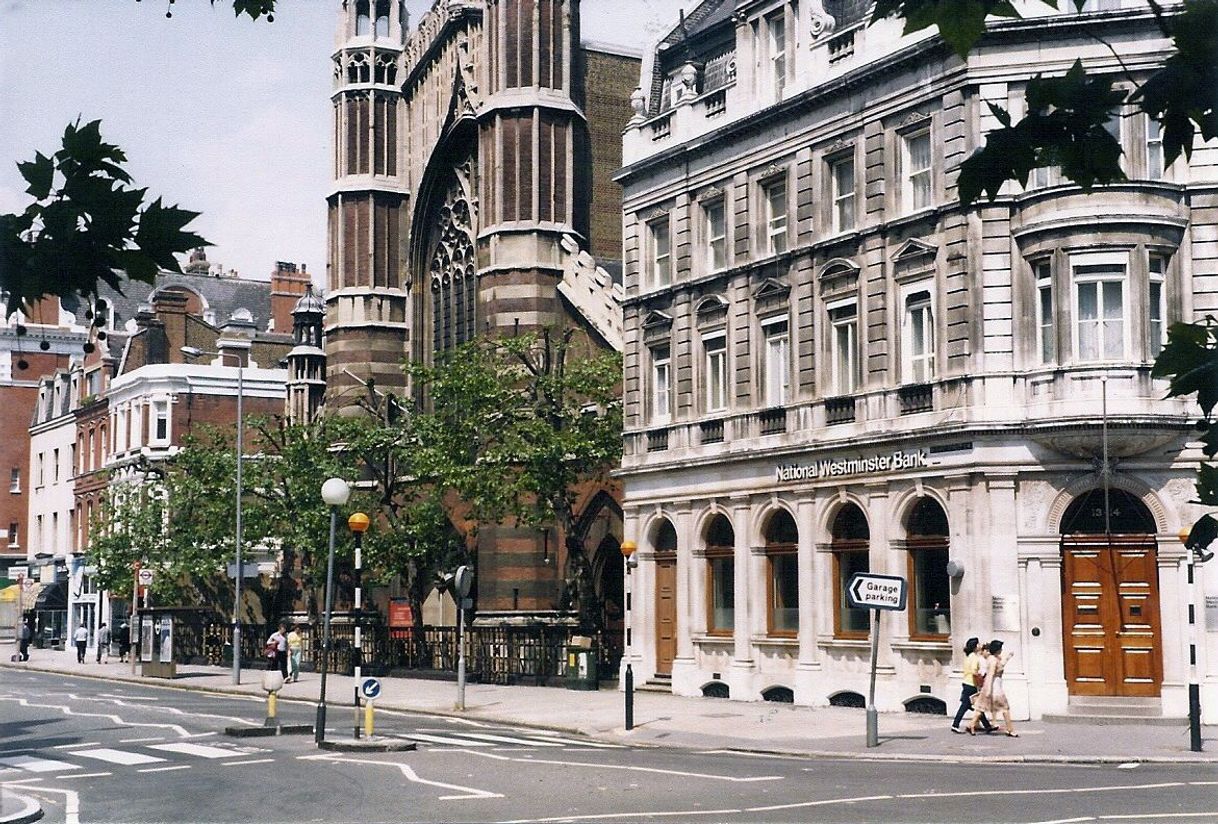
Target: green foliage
{"x":253,"y":8}
{"x":960,"y":22}
{"x":85,"y":225}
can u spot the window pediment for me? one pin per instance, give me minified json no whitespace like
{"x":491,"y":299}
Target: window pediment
{"x":914,"y":258}
{"x":657,"y":320}
{"x":771,"y":290}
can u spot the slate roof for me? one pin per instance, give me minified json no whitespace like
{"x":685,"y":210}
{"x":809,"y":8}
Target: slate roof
{"x":223,"y":295}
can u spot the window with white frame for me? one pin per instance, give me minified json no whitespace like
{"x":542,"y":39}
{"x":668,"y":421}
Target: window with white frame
{"x":121,"y":429}
{"x":841,"y":172}
{"x":137,"y":425}
{"x":661,"y":384}
{"x":776,"y":42}
{"x":160,"y":426}
{"x":1099,"y":306}
{"x":1154,"y":149}
{"x":55,"y":466}
{"x":917,"y":170}
{"x":39,"y":469}
{"x":1045,"y":338}
{"x":14,"y":480}
{"x":777,"y":366}
{"x":715,"y":222}
{"x":1156,"y":304}
{"x":715,"y":347}
{"x":774,"y":195}
{"x":1113,"y":126}
{"x":919,"y":337}
{"x":659,"y":242}
{"x":844,"y":340}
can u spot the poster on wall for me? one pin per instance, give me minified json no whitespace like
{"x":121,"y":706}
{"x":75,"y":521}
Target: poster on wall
{"x":1211,"y":613}
{"x":166,"y":640}
{"x":145,"y":638}
{"x":1005,"y":612}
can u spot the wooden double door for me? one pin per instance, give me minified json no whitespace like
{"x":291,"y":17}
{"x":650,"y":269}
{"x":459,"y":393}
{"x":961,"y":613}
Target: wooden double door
{"x":666,"y":613}
{"x":1110,"y":615}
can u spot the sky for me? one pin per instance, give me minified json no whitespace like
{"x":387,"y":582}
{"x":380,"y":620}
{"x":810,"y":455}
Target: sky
{"x":216,"y":114}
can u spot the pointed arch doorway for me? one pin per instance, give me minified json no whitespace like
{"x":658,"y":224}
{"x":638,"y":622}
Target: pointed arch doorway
{"x":1110,"y":597}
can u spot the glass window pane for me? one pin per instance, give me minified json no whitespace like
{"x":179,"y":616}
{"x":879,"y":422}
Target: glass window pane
{"x":785,"y":587}
{"x":723,"y":593}
{"x":932,"y":592}
{"x":1046,"y":324}
{"x":850,"y":563}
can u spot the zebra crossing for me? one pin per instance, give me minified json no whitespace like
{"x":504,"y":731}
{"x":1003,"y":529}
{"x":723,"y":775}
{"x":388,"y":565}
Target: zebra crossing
{"x":147,"y":757}
{"x":502,"y":738}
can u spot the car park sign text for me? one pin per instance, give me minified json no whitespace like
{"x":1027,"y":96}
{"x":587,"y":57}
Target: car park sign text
{"x":868,"y":591}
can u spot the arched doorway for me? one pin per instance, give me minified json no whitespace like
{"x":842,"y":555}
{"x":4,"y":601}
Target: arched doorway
{"x":665,"y":544}
{"x":1110,"y":596}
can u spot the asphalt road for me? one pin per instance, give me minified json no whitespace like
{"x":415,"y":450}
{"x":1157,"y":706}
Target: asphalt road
{"x":98,"y":751}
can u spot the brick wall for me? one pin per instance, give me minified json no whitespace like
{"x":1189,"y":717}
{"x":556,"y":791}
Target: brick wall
{"x":609,"y":80}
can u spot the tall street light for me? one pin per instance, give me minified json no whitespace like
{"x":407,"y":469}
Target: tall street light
{"x":358,"y":524}
{"x":630,"y":562}
{"x":195,"y":352}
{"x":335,"y":493}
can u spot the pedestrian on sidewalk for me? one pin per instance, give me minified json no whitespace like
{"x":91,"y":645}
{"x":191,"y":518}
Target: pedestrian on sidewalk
{"x":103,"y":642}
{"x":124,"y":642}
{"x":26,"y":635}
{"x":993,"y":698}
{"x":970,"y":682}
{"x":295,"y":645}
{"x":81,"y":638}
{"x":277,"y":650}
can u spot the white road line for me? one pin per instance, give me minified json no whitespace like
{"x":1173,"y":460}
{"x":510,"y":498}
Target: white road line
{"x":574,"y":742}
{"x":604,"y":816}
{"x":201,"y":750}
{"x":127,"y":697}
{"x":38,"y":765}
{"x":504,"y":739}
{"x":681,"y":774}
{"x":71,"y":806}
{"x":124,"y":757}
{"x":117,"y":720}
{"x":164,"y":769}
{"x":87,"y":775}
{"x":454,"y":742}
{"x":1046,"y":790}
{"x":412,"y":776}
{"x":1156,"y":816}
{"x":71,"y":746}
{"x":206,"y":734}
{"x":240,"y":763}
{"x":141,"y":740}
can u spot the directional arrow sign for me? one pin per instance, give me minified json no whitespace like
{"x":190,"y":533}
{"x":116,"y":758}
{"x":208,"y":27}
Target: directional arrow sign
{"x":370,"y":688}
{"x":868,"y":591}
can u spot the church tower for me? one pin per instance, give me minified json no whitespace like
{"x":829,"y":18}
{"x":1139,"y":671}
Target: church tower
{"x":307,"y":359}
{"x":367,"y":329}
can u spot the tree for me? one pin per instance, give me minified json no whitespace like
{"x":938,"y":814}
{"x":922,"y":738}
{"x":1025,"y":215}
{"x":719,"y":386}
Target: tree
{"x":514,"y":426}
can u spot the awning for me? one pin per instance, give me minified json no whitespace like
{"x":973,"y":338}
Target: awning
{"x":9,"y":594}
{"x":51,"y":597}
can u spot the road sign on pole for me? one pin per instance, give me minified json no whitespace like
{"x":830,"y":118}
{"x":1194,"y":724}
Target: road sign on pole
{"x":370,"y":689}
{"x":144,"y":577}
{"x":869,"y":591}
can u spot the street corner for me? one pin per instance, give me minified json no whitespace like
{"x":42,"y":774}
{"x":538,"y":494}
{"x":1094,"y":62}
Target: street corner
{"x":18,"y":809}
{"x":374,"y":744}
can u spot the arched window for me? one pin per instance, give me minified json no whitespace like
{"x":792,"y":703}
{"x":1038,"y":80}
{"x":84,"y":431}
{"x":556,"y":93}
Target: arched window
{"x":721,"y":575}
{"x":666,"y":538}
{"x":851,"y":538}
{"x":1126,"y":515}
{"x":382,"y":18}
{"x":781,"y":538}
{"x":930,"y":586}
{"x":362,"y":18}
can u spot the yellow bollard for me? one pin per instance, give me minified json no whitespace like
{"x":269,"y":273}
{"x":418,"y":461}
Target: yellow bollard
{"x":368,"y":719}
{"x":271,"y":702}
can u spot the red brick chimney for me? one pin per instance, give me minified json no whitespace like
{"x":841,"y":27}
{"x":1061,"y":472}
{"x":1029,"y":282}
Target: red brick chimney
{"x":287,"y":285}
{"x":170,"y":309}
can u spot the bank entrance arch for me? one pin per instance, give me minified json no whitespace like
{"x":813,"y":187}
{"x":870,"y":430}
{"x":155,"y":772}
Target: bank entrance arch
{"x":1110,"y":596}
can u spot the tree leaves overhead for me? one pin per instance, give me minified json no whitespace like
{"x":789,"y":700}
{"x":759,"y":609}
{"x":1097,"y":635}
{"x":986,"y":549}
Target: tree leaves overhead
{"x":1064,"y":126}
{"x":1190,"y":360}
{"x":960,"y":22}
{"x":254,"y":8}
{"x":85,"y":225}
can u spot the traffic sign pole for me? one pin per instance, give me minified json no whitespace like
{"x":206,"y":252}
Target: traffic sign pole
{"x":876,"y":593}
{"x":873,"y":719}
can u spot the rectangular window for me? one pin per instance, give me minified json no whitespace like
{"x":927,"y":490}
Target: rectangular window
{"x":1156,"y":304}
{"x":931,"y":595}
{"x":843,"y":321}
{"x":161,"y":411}
{"x":39,"y":469}
{"x":716,"y":235}
{"x":661,"y":252}
{"x":784,"y":593}
{"x":919,"y":338}
{"x":1044,"y":312}
{"x":775,"y":194}
{"x":722,"y":568}
{"x":852,"y":622}
{"x":916,"y":161}
{"x":777,"y":362}
{"x":842,"y":172}
{"x":661,"y":385}
{"x":716,"y":372}
{"x":13,"y":537}
{"x":1099,"y":293}
{"x":55,"y":466}
{"x":1154,"y":149}
{"x":14,"y":480}
{"x":776,"y":26}
{"x":1040,"y":178}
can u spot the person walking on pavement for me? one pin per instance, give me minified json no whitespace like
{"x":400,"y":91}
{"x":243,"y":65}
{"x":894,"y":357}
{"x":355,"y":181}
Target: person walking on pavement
{"x":970,"y":682}
{"x":81,"y":638}
{"x":295,"y":644}
{"x":277,"y":650}
{"x":103,"y":642}
{"x":992,"y":698}
{"x":27,"y":633}
{"x":124,"y":642}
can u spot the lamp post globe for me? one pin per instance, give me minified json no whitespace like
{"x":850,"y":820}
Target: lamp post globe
{"x":335,"y":492}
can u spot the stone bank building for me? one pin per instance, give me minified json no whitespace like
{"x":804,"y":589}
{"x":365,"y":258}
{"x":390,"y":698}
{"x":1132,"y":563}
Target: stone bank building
{"x":831,"y":368}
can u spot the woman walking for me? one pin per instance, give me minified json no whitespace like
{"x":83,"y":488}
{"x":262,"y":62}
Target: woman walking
{"x":992,"y":698}
{"x":972,"y":678}
{"x":295,"y":643}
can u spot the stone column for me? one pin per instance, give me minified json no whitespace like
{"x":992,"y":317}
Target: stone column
{"x":687,"y":568}
{"x":811,"y":605}
{"x":742,"y":652}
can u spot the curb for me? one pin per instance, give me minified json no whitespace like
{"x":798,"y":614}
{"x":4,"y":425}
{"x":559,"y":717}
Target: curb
{"x":1094,"y":760}
{"x":370,"y":745}
{"x":264,"y":732}
{"x":31,"y":810}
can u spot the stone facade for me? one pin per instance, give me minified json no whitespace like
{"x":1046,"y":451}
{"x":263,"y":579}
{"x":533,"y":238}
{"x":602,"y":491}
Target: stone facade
{"x":831,"y":367}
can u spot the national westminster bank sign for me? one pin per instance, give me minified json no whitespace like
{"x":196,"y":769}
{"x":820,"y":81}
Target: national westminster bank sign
{"x":847,"y":467}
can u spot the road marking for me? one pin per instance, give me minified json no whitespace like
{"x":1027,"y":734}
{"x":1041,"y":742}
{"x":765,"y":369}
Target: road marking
{"x":412,"y":776}
{"x":239,"y":763}
{"x":127,"y":697}
{"x":116,"y":719}
{"x":31,"y":764}
{"x":504,"y":739}
{"x":603,"y":816}
{"x":141,"y":740}
{"x":82,"y":744}
{"x":164,"y":769}
{"x":575,"y":742}
{"x":439,"y":739}
{"x":1046,"y":791}
{"x":1154,"y":816}
{"x":205,"y":734}
{"x":71,"y":807}
{"x":87,"y":775}
{"x":124,"y":757}
{"x":681,"y":774}
{"x":201,"y":750}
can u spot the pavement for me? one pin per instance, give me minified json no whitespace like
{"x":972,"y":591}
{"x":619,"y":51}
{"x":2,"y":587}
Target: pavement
{"x":665,"y":720}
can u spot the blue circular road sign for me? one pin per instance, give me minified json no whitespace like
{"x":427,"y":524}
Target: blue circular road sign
{"x":370,"y":688}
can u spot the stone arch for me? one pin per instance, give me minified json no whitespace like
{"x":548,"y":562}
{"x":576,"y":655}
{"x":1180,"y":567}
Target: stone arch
{"x":652,"y":526}
{"x":829,"y":513}
{"x":904,"y":503}
{"x":703,"y":520}
{"x":1092,"y":480}
{"x":768,"y":512}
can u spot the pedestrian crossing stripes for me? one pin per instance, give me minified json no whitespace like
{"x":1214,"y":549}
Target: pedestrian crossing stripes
{"x":201,"y":750}
{"x":31,"y":763}
{"x":470,"y":738}
{"x":124,"y":757}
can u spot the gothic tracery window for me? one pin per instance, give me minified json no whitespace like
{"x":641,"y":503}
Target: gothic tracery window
{"x":453,"y":265}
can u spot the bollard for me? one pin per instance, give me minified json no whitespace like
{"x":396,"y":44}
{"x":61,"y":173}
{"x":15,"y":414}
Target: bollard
{"x":629,"y":698}
{"x":357,"y":713}
{"x":272,"y":683}
{"x":368,"y":718}
{"x":271,"y":707}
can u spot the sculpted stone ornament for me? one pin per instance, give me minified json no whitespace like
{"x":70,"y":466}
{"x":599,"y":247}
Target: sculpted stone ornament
{"x":688,"y":80}
{"x":820,"y":22}
{"x":638,"y":102}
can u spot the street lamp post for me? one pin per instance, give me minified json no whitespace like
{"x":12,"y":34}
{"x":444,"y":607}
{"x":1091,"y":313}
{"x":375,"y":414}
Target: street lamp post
{"x":358,"y":524}
{"x":628,"y":550}
{"x":335,"y":493}
{"x":196,"y":352}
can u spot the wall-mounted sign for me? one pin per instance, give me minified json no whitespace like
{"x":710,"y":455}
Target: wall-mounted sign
{"x":845,"y":467}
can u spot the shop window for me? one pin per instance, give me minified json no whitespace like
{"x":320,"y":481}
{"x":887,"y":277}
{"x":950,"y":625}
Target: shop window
{"x":715,"y":347}
{"x":1156,"y":305}
{"x":930,"y":586}
{"x":843,"y":322}
{"x":851,"y":538}
{"x":1099,"y":305}
{"x":721,"y":569}
{"x":841,"y":173}
{"x":1044,"y":312}
{"x":781,"y":539}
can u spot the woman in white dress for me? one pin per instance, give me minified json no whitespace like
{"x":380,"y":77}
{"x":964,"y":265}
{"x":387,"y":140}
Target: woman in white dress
{"x":992,"y":698}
